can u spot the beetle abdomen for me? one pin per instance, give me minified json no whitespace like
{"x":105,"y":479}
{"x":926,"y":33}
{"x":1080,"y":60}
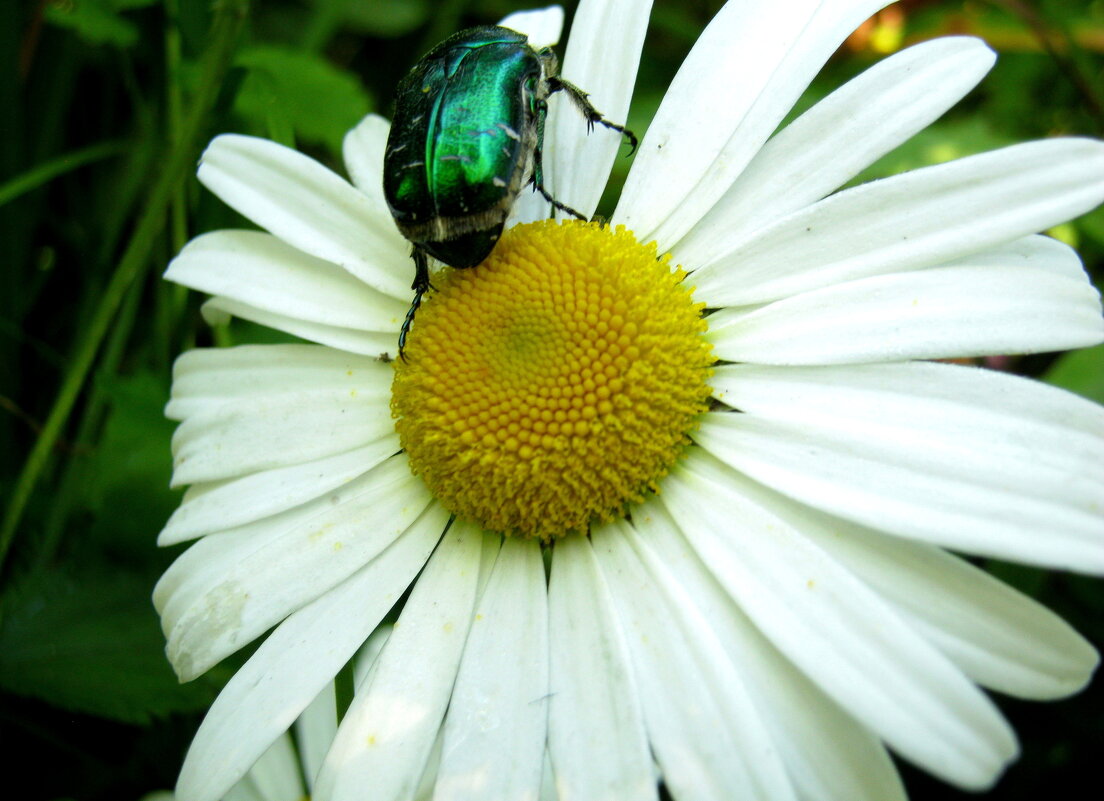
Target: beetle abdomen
{"x":471,"y":103}
{"x":466,"y":137}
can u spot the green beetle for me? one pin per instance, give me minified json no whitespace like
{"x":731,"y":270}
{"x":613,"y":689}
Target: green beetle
{"x":466,"y":137}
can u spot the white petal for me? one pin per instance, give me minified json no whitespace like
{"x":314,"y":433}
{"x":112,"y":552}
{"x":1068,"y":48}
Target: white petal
{"x":723,"y":104}
{"x":837,"y":138}
{"x":220,"y":552}
{"x":368,"y":655}
{"x":596,"y":736}
{"x":374,"y":343}
{"x":498,"y":717}
{"x":206,"y":379}
{"x":429,"y":774}
{"x":307,"y":206}
{"x":209,"y":610}
{"x":1037,"y":252}
{"x":703,"y":727}
{"x":297,"y":661}
{"x":997,"y":636}
{"x":602,"y":58}
{"x":316,"y":726}
{"x":529,"y":207}
{"x":220,"y":505}
{"x":362,"y":150}
{"x":971,"y":459}
{"x":548,"y":781}
{"x":244,"y":790}
{"x":246,"y":436}
{"x":829,"y":756}
{"x":274,"y":777}
{"x":386,"y":736}
{"x":941,"y":313}
{"x":837,"y":630}
{"x":543,"y":26}
{"x":263,"y":272}
{"x":212,"y":555}
{"x":917,"y":219}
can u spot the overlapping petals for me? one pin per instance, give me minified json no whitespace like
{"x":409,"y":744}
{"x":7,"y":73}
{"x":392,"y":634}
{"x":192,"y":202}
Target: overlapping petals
{"x":297,"y":660}
{"x":833,"y":141}
{"x":973,"y":460}
{"x":911,"y":221}
{"x":389,"y":730}
{"x":574,"y":161}
{"x":696,"y":146}
{"x":596,"y":733}
{"x":307,"y":206}
{"x":838,"y":631}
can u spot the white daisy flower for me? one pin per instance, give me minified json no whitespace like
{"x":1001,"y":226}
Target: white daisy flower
{"x":765,"y":604}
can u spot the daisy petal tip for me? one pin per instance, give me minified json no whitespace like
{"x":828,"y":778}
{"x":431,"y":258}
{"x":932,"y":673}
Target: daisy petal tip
{"x":971,"y":50}
{"x":543,"y":26}
{"x":227,"y":154}
{"x":165,"y":538}
{"x":193,"y":245}
{"x":205,"y":168}
{"x":981,"y":49}
{"x":370,"y":127}
{"x":220,"y":143}
{"x":193,"y":648}
{"x":168,"y":273}
{"x":1083,"y":681}
{"x":983,"y":773}
{"x":183,"y":663}
{"x":1075,"y":683}
{"x":1092,"y":151}
{"x":989,"y":54}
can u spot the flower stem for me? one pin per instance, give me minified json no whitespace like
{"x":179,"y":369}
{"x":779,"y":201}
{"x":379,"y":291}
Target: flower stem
{"x":228,"y":21}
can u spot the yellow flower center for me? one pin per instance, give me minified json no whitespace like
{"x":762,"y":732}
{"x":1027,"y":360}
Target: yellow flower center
{"x":553,"y":384}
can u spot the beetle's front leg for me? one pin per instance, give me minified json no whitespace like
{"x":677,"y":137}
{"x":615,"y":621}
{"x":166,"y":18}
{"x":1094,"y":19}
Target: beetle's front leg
{"x":593,"y":115}
{"x":420,"y":286}
{"x":538,"y":164}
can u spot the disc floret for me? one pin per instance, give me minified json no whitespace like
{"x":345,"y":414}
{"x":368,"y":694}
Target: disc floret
{"x":553,"y":385}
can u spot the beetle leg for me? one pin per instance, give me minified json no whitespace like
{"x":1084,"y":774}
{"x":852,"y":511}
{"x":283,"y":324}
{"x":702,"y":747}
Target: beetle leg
{"x":566,"y":209}
{"x":420,"y":286}
{"x":593,"y":115}
{"x":538,"y":164}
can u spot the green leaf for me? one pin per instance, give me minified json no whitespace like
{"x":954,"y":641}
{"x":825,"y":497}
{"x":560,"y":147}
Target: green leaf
{"x":91,"y":644}
{"x":98,"y":22}
{"x":1080,"y":371}
{"x":384,"y":18}
{"x":320,"y":101}
{"x":130,"y":468}
{"x":1093,"y":224}
{"x":134,"y":448}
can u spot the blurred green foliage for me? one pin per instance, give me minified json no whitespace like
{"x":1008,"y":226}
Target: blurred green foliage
{"x":98,"y":95}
